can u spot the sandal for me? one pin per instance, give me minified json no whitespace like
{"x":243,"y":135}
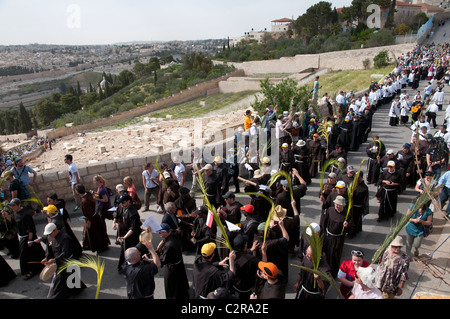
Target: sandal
{"x":27,"y":276}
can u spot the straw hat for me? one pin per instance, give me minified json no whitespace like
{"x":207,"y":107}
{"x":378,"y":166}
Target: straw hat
{"x":398,"y":241}
{"x":339,"y":200}
{"x":280,"y":213}
{"x":48,"y":272}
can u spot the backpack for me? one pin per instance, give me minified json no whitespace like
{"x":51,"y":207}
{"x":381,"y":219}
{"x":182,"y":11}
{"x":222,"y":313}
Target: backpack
{"x":24,"y":193}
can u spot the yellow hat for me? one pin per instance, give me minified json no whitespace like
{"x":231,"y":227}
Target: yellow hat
{"x":208,"y":249}
{"x":51,"y":209}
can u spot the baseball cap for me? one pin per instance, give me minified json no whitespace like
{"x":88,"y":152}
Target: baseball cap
{"x":270,"y":269}
{"x":248,"y":208}
{"x":51,"y":209}
{"x":208,"y":249}
{"x":340,"y":184}
{"x":49,"y":228}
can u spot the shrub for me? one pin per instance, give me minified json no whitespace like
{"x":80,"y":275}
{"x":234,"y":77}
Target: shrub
{"x":381,"y":59}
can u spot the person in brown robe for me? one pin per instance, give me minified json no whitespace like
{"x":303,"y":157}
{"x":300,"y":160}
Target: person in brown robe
{"x":315,"y":148}
{"x":95,"y":236}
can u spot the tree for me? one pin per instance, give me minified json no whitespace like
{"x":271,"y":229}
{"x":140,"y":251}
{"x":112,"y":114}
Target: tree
{"x":69,"y":103}
{"x":46,"y":111}
{"x":389,"y":24}
{"x":24,"y":119}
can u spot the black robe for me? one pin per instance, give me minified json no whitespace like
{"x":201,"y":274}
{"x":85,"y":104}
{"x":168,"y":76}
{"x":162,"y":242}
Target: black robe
{"x":175,"y":279}
{"x":60,"y":248}
{"x":308,"y":288}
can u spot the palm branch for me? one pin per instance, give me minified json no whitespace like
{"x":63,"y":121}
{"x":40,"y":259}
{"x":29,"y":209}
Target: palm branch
{"x":328,"y":163}
{"x":285,"y":175}
{"x":350,"y":191}
{"x":394,"y":231}
{"x":88,"y":261}
{"x":35,"y":197}
{"x":225,"y":240}
{"x":377,"y":141}
{"x":316,"y":243}
{"x":271,"y":212}
{"x":323,"y":130}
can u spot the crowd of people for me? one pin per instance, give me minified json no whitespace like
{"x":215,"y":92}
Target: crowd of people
{"x":263,"y":233}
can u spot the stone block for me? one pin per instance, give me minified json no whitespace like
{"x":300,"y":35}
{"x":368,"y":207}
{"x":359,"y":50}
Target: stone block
{"x":124,"y":164}
{"x":96,"y":169}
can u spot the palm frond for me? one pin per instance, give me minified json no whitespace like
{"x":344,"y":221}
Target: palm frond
{"x":216,"y":217}
{"x":328,"y":163}
{"x":351,"y":191}
{"x":287,"y":177}
{"x":394,"y":231}
{"x":322,"y":130}
{"x":325,"y":276}
{"x":35,"y":197}
{"x":316,"y":243}
{"x":88,"y":261}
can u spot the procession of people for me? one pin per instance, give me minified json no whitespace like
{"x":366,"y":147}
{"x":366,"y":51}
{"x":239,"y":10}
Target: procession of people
{"x":242,"y":250}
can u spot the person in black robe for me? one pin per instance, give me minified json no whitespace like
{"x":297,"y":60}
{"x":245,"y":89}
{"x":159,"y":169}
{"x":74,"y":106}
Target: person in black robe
{"x":211,"y":185}
{"x":30,"y":249}
{"x":416,"y":80}
{"x":360,"y":207}
{"x":223,"y":178}
{"x":6,"y":272}
{"x":302,"y":160}
{"x":8,"y":231}
{"x":357,"y":130}
{"x":52,"y":199}
{"x":345,"y":133}
{"x":169,"y":250}
{"x":208,"y":275}
{"x":186,"y":207}
{"x":140,"y":273}
{"x":315,"y":147}
{"x":231,"y":212}
{"x":390,"y":183}
{"x":201,"y":233}
{"x":309,"y":285}
{"x":60,"y":248}
{"x":375,"y":151}
{"x":246,"y":266}
{"x":286,"y":158}
{"x":406,"y":164}
{"x":334,"y":228}
{"x":273,"y":282}
{"x":131,"y":226}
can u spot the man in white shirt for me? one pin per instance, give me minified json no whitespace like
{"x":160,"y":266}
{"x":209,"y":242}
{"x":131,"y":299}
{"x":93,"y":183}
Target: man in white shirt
{"x":149,"y":178}
{"x":438,"y":97}
{"x":431,"y":113}
{"x":74,"y":179}
{"x":179,"y":171}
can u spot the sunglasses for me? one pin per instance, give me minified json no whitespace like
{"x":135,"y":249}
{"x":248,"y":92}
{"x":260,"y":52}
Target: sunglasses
{"x":357,"y":253}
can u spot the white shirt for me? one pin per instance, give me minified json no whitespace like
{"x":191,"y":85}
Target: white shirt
{"x":433,"y":108}
{"x":279,"y":129}
{"x":72,"y":170}
{"x":340,"y":99}
{"x":178,"y":170}
{"x":438,"y":97}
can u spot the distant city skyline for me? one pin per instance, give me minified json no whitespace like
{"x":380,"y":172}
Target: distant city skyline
{"x":81,"y":22}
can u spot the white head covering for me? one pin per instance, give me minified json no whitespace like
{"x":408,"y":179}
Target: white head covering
{"x":368,"y":276}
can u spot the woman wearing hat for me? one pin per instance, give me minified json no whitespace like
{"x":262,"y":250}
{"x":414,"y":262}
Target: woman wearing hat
{"x":364,"y":284}
{"x":347,"y":270}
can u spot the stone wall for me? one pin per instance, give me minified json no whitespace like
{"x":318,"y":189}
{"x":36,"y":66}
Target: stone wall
{"x":339,"y":60}
{"x":113,"y":171}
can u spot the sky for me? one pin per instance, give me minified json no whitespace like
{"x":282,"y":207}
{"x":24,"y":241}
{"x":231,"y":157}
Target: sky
{"x":87,"y":22}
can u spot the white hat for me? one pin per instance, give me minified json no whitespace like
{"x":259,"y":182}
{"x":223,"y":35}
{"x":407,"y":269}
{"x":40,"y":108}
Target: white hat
{"x":301,"y":143}
{"x":391,"y":151}
{"x":285,"y":145}
{"x":398,"y":241}
{"x":391,"y":163}
{"x":339,"y":200}
{"x":314,"y":226}
{"x":367,"y":276}
{"x":49,"y":228}
{"x":166,"y":175}
{"x":340,"y":184}
{"x":207,"y":167}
